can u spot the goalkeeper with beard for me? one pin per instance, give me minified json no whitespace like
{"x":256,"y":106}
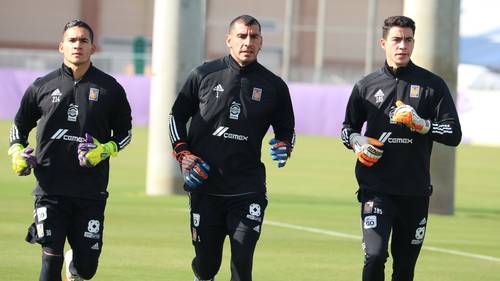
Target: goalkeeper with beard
{"x":406,"y":108}
{"x":231,"y":102}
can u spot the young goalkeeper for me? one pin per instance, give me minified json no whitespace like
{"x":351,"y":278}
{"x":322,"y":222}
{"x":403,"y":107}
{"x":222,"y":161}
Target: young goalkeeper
{"x":82,"y":117}
{"x":406,"y":108}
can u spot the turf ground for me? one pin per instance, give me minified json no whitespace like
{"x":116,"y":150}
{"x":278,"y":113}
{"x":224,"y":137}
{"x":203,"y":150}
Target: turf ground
{"x":311,"y":229}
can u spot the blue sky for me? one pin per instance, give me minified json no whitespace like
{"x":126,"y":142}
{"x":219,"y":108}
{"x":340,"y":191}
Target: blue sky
{"x":479,"y":17}
{"x":480,"y":33}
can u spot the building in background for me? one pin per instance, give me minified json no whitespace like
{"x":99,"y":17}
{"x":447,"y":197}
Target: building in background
{"x":28,"y":40}
{"x":119,"y":23}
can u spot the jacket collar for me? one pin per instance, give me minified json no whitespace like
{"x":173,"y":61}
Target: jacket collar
{"x":398,"y":71}
{"x":68,"y":72}
{"x":240,"y":69}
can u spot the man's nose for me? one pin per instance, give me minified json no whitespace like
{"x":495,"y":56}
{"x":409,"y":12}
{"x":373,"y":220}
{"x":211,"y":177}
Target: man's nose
{"x":247,"y":40}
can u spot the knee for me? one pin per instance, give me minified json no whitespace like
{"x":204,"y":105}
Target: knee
{"x":378,"y":258}
{"x":205,"y":270}
{"x":51,"y":266}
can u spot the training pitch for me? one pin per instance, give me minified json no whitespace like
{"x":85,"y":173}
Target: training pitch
{"x":311,"y":230}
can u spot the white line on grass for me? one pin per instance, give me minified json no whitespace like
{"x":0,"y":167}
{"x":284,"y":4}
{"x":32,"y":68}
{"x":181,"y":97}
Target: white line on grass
{"x":357,"y":237}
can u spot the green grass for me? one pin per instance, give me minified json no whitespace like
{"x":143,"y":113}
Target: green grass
{"x":148,"y":238}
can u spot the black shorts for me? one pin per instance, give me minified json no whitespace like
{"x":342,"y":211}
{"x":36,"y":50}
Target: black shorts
{"x":216,"y":215}
{"x":81,"y":221}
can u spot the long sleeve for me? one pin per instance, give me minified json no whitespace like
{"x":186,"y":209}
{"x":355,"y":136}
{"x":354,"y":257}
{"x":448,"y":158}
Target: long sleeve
{"x":185,"y":106}
{"x":446,"y":127}
{"x":355,"y":116}
{"x":26,"y":118}
{"x":121,"y":123}
{"x":283,"y":120}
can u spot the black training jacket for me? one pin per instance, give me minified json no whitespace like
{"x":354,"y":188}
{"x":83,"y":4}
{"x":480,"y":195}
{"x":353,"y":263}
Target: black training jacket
{"x":232,"y":108}
{"x":404,"y":166}
{"x":63,"y":110}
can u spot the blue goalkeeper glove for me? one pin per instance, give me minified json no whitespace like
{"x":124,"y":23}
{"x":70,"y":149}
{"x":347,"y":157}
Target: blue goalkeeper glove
{"x":280,"y":151}
{"x":195,"y":175}
{"x":92,"y":152}
{"x":22,"y":160}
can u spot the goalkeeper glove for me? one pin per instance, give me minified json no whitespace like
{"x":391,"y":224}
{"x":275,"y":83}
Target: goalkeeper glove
{"x":22,"y":160}
{"x":280,"y":151}
{"x":366,"y":149}
{"x":405,"y":114}
{"x":180,"y":151}
{"x":92,"y":152}
{"x":194,"y":171}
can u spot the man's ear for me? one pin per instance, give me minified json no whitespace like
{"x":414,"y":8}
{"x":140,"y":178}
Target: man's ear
{"x":382,"y":43}
{"x":61,"y":47}
{"x":93,"y":49}
{"x":228,"y":40}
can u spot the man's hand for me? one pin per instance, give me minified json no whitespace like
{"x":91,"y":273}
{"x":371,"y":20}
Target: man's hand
{"x":366,"y":149}
{"x":22,"y":160}
{"x":280,"y":151}
{"x":405,"y":114}
{"x":92,"y":152}
{"x":194,"y":171}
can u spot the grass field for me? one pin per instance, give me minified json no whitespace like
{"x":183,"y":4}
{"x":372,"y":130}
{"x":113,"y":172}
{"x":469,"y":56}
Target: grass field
{"x":312,"y":230}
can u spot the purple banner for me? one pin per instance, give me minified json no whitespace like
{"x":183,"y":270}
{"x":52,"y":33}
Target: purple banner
{"x":319,"y":109}
{"x":13,"y":84}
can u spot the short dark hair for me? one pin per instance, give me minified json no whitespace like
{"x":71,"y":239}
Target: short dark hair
{"x":79,"y":23}
{"x":246,"y":20}
{"x":400,"y":21}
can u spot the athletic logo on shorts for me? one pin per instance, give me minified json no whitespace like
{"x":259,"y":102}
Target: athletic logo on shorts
{"x":196,"y":219}
{"x":39,"y":230}
{"x":419,"y":236}
{"x":41,"y":213}
{"x":254,"y":212}
{"x":93,"y":228}
{"x":370,"y":222}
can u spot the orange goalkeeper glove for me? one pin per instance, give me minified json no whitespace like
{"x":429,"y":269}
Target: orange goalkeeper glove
{"x":366,"y":148}
{"x":405,"y":114}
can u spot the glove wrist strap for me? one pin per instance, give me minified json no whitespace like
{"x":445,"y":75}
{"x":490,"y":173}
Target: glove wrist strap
{"x":181,"y":149}
{"x":112,"y":147}
{"x":15,"y":148}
